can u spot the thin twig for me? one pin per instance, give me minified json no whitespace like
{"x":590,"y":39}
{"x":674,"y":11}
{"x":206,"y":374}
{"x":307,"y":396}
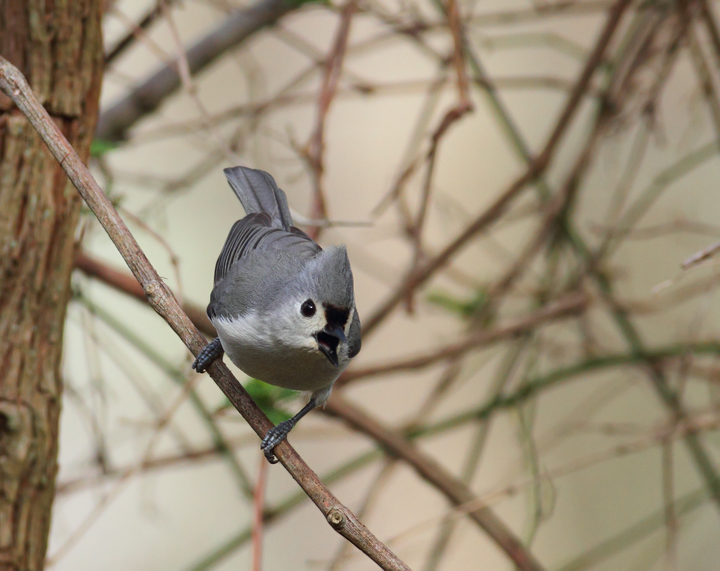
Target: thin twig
{"x":315,"y":149}
{"x":536,"y":167}
{"x":129,"y":39}
{"x":571,"y":305}
{"x":462,"y":108}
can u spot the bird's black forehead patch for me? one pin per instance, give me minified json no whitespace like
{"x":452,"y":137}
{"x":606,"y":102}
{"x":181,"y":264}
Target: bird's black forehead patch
{"x":336,"y":315}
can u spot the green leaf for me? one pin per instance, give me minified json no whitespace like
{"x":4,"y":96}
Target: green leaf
{"x":99,"y":147}
{"x":267,"y":397}
{"x":465,"y":308}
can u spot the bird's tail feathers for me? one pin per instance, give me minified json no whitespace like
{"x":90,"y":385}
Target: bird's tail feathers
{"x":258,"y":192}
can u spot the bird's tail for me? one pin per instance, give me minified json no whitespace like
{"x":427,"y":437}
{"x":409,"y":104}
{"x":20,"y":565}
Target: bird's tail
{"x":258,"y":192}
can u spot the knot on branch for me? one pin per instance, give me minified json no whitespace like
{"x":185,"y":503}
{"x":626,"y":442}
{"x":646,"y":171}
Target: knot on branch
{"x":153,"y":291}
{"x":336,"y":518}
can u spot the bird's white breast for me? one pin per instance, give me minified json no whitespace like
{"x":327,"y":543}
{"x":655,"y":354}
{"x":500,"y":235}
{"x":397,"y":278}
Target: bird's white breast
{"x":270,"y":349}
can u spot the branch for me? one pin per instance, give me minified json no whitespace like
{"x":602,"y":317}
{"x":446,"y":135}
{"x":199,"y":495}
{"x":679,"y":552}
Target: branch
{"x":570,"y":305}
{"x":114,"y":123}
{"x":535,"y":169}
{"x":134,"y":32}
{"x":452,"y":488}
{"x":14,"y":85}
{"x":125,"y":283}
{"x":314,"y":151}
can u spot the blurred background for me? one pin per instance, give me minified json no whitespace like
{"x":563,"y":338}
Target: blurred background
{"x":518,"y":184}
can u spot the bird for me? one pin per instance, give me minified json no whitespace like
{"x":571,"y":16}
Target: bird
{"x":283,"y":307}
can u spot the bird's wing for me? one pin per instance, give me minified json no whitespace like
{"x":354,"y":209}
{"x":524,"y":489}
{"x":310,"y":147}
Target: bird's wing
{"x":257,"y":232}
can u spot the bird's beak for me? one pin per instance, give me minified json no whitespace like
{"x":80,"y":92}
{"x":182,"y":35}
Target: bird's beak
{"x":328,"y":341}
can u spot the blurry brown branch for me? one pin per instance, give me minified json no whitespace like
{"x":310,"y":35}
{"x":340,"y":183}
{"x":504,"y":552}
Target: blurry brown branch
{"x":14,"y":85}
{"x":568,"y":306}
{"x":709,"y":20}
{"x":455,"y":24}
{"x":126,"y":283}
{"x":129,"y":39}
{"x":150,"y":93}
{"x":315,"y":149}
{"x":258,"y":512}
{"x":536,"y":167}
{"x":452,"y":488}
{"x":700,"y":256}
{"x":463,"y":106}
{"x":640,"y":41}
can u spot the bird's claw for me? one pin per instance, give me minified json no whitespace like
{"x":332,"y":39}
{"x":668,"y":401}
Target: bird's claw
{"x":274,"y":437}
{"x":210,"y":353}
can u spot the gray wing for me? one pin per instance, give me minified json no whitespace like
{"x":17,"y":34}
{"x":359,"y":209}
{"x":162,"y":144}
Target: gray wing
{"x":256,"y":257}
{"x":258,"y":192}
{"x":257,"y":232}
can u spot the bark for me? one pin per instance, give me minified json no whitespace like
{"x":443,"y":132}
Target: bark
{"x":58,"y":46}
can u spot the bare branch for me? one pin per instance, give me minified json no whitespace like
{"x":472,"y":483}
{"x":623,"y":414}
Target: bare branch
{"x":452,"y":488}
{"x":127,"y":284}
{"x":114,"y":123}
{"x":535,"y":168}
{"x":572,"y":304}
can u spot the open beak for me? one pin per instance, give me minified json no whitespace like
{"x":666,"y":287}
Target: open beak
{"x":328,"y":341}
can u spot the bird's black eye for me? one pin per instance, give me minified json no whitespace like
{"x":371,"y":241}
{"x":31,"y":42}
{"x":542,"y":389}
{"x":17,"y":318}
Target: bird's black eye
{"x":308,"y":308}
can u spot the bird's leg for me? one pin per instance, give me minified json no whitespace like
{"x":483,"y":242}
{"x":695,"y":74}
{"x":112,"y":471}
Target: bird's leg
{"x":205,"y":358}
{"x":278,"y":433}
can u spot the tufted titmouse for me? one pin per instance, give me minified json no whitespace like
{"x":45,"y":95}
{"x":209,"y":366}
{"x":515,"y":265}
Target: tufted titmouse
{"x":283,"y":307}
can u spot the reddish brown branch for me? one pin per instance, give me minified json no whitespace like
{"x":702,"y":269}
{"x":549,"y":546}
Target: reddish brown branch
{"x":463,"y":107}
{"x":258,"y":515}
{"x":711,"y":25}
{"x":316,"y":147}
{"x":14,"y":85}
{"x":129,"y":39}
{"x":453,"y":14}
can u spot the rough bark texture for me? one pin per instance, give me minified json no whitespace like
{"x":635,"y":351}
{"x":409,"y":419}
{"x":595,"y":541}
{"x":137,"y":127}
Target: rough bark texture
{"x":58,"y":46}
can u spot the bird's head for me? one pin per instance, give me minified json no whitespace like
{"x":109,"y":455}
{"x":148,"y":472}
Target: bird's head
{"x":323,"y":304}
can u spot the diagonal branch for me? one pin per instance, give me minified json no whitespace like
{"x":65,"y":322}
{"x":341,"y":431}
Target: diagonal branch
{"x":568,"y":306}
{"x":452,"y":488}
{"x":115,"y":122}
{"x":14,"y":85}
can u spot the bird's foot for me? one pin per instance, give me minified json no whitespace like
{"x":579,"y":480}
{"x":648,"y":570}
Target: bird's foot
{"x":274,"y":437}
{"x":205,"y":358}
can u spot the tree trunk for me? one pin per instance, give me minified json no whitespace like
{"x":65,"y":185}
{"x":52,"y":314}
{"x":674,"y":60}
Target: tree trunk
{"x":58,"y":46}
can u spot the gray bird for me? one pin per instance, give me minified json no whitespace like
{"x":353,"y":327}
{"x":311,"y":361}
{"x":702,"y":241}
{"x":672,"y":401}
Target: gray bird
{"x":283,"y":308}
